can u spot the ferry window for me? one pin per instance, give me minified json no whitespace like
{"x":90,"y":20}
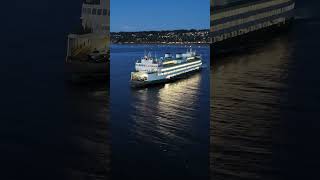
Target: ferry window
{"x":94,"y":11}
{"x":99,"y":11}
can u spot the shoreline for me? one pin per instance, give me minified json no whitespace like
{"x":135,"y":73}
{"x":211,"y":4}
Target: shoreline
{"x":157,"y":43}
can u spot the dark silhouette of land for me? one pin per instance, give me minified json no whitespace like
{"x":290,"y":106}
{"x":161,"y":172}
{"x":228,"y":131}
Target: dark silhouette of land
{"x":174,"y":37}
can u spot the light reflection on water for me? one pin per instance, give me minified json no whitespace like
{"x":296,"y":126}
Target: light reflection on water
{"x":248,"y":94}
{"x":165,"y":126}
{"x":169,"y":110}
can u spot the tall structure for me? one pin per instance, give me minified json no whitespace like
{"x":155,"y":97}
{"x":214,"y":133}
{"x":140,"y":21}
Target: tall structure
{"x":88,"y":49}
{"x":95,"y":16}
{"x":95,"y":32}
{"x":238,"y":19}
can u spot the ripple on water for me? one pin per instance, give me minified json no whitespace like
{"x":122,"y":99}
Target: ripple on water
{"x":247,"y":92}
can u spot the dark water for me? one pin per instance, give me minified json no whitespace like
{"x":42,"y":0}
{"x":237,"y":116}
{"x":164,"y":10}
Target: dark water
{"x":158,"y":132}
{"x":265,"y":106}
{"x":48,"y":129}
{"x":88,"y":147}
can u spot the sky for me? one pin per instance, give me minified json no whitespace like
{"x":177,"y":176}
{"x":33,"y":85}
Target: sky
{"x":144,"y":15}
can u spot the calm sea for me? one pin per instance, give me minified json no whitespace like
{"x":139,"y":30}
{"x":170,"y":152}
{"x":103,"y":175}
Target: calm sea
{"x":265,"y":106}
{"x":159,"y":132}
{"x":49,"y":129}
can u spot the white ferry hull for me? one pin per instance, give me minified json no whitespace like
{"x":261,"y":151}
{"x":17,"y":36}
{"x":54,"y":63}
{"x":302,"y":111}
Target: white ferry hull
{"x":162,"y":80}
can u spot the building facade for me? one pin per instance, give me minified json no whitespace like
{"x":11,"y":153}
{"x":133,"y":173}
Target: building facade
{"x":95,"y":34}
{"x":235,"y":18}
{"x":95,"y":16}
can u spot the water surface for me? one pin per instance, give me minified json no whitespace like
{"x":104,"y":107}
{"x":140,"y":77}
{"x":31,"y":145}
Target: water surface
{"x":265,"y":108}
{"x":158,"y":132}
{"x":49,"y":129}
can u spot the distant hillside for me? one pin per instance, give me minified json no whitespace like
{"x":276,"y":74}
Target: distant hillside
{"x":176,"y":36}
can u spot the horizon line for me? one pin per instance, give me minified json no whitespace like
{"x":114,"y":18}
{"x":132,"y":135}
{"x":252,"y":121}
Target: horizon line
{"x":161,"y":30}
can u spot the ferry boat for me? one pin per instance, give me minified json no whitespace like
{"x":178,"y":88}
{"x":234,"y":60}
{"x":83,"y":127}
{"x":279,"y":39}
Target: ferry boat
{"x":237,"y":23}
{"x":150,"y":70}
{"x":88,"y":48}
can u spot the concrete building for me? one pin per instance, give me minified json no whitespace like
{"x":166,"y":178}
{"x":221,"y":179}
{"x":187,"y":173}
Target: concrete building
{"x":231,"y":19}
{"x":95,"y":32}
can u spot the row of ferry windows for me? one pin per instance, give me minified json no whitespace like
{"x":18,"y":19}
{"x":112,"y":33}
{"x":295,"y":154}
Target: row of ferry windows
{"x":184,"y":71}
{"x":247,"y":30}
{"x":173,"y":71}
{"x":179,"y":66}
{"x":95,"y":11}
{"x":147,"y":65}
{"x":252,"y":18}
{"x":247,"y":9}
{"x":180,"y":69}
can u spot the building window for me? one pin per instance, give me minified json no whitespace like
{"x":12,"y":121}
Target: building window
{"x":94,"y":11}
{"x":104,"y":12}
{"x":99,"y":11}
{"x":96,"y":2}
